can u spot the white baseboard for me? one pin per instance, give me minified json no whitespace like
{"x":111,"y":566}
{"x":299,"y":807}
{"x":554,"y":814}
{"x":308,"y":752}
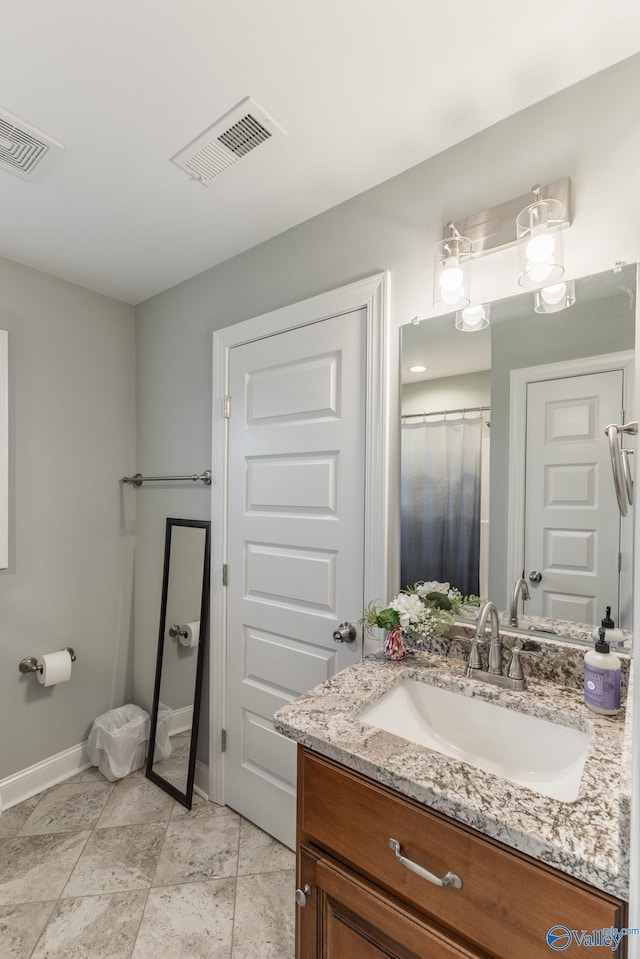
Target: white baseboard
{"x":201,"y":780}
{"x":181,"y":720}
{"x":43,"y":775}
{"x":35,"y":779}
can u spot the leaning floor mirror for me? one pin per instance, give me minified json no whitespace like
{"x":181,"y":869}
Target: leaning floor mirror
{"x":184,"y":615}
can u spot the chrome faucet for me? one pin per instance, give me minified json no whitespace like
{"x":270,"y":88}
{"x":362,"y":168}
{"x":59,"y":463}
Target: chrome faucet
{"x":520,"y":589}
{"x":474,"y":663}
{"x":493,"y":673}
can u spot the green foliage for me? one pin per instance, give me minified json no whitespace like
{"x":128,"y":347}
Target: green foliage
{"x":472,"y":600}
{"x":439,"y":600}
{"x":388,"y":619}
{"x":384,"y":618}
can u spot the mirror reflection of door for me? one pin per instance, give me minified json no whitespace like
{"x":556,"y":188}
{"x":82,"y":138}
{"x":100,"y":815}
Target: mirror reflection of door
{"x":183,"y":633}
{"x":572,"y":532}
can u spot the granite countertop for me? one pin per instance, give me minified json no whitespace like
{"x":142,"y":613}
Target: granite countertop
{"x":587,"y":838}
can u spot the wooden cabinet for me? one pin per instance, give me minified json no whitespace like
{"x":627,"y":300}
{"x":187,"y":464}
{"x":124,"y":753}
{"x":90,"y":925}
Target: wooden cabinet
{"x":349,"y":918}
{"x":365,"y":904}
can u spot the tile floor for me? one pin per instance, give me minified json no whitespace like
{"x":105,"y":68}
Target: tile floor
{"x":96,"y":870}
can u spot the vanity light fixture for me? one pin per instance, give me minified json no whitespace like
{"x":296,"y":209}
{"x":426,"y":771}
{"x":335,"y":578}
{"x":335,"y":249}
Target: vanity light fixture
{"x":473,"y":318}
{"x":539,"y":234}
{"x":452,"y":257}
{"x":558,"y":296}
{"x":536,"y":228}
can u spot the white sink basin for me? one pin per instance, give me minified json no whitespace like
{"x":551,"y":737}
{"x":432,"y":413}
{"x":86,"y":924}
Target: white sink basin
{"x":532,"y":752}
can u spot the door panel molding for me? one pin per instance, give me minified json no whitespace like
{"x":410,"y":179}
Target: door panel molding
{"x":372,"y":294}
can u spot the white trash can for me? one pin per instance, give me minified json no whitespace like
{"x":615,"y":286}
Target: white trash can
{"x":117,"y":743}
{"x":163,"y":728}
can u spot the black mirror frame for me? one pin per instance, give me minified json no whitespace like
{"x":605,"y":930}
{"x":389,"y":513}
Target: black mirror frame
{"x":186,"y":797}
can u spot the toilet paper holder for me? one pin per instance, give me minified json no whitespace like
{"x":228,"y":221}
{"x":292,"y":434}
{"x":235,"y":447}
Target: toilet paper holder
{"x":31,"y":665}
{"x":176,"y":631}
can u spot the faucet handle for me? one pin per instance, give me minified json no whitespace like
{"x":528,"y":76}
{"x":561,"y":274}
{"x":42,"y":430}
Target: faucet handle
{"x":515,"y":665}
{"x":474,"y":661}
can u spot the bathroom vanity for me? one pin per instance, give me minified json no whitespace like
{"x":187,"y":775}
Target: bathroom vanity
{"x":382,"y":820}
{"x":361,"y":896}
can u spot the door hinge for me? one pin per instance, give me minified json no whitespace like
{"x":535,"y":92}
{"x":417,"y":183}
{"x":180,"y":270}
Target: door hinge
{"x":225,"y":575}
{"x":227,"y":407}
{"x":223,"y":741}
{"x":619,"y":562}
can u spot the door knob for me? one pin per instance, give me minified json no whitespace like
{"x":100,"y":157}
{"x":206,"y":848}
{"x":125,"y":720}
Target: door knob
{"x":345,"y":633}
{"x":535,"y":576}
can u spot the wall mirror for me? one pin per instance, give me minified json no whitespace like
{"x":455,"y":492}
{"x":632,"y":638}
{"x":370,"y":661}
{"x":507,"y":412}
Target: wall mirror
{"x":182,"y":639}
{"x":505,"y":464}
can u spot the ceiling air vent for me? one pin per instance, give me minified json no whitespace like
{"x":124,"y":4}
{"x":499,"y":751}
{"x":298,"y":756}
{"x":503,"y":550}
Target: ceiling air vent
{"x":234,"y":135}
{"x":22,"y":147}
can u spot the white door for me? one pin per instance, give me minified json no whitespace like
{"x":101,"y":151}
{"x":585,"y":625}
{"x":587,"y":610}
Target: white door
{"x":296,"y":490}
{"x":572,"y":528}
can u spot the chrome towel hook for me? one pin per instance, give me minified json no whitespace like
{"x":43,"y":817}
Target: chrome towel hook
{"x":622,"y":478}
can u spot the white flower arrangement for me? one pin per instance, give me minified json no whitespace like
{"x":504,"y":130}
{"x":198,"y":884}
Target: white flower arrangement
{"x":422,"y":611}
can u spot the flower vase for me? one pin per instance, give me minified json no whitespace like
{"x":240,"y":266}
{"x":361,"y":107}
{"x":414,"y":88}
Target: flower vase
{"x":394,"y":647}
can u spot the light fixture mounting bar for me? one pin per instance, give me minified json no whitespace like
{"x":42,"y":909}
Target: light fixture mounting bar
{"x":495,"y":228}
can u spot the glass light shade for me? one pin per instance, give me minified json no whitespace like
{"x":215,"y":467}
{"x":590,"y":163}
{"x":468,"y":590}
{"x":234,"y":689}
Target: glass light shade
{"x":552,"y":299}
{"x":452,"y":268}
{"x":473,"y":318}
{"x":539,"y":237}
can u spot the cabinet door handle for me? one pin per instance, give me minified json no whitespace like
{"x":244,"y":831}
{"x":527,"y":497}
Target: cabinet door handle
{"x":449,"y":880}
{"x":302,"y":895}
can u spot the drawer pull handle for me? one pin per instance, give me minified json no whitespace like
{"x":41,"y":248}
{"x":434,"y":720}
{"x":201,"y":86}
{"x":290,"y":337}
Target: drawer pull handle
{"x":449,"y":880}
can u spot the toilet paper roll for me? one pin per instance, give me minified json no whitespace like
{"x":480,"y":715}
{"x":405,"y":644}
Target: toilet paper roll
{"x":56,"y":668}
{"x":193,"y":635}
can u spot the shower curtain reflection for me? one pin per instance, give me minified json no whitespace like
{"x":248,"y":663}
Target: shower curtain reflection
{"x":440,"y":501}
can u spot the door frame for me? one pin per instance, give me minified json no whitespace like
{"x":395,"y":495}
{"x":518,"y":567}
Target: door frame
{"x":519,"y":381}
{"x":371,"y":294}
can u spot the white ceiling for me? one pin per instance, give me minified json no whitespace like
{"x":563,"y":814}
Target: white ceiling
{"x":363,"y":88}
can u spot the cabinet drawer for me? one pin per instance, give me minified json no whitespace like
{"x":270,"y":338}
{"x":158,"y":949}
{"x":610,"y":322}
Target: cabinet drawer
{"x":507,"y":902}
{"x":355,"y":920}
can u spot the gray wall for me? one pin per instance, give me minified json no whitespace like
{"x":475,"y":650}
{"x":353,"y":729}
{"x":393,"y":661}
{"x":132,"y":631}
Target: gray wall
{"x":583,"y":132}
{"x":449,"y":393}
{"x":71,"y":529}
